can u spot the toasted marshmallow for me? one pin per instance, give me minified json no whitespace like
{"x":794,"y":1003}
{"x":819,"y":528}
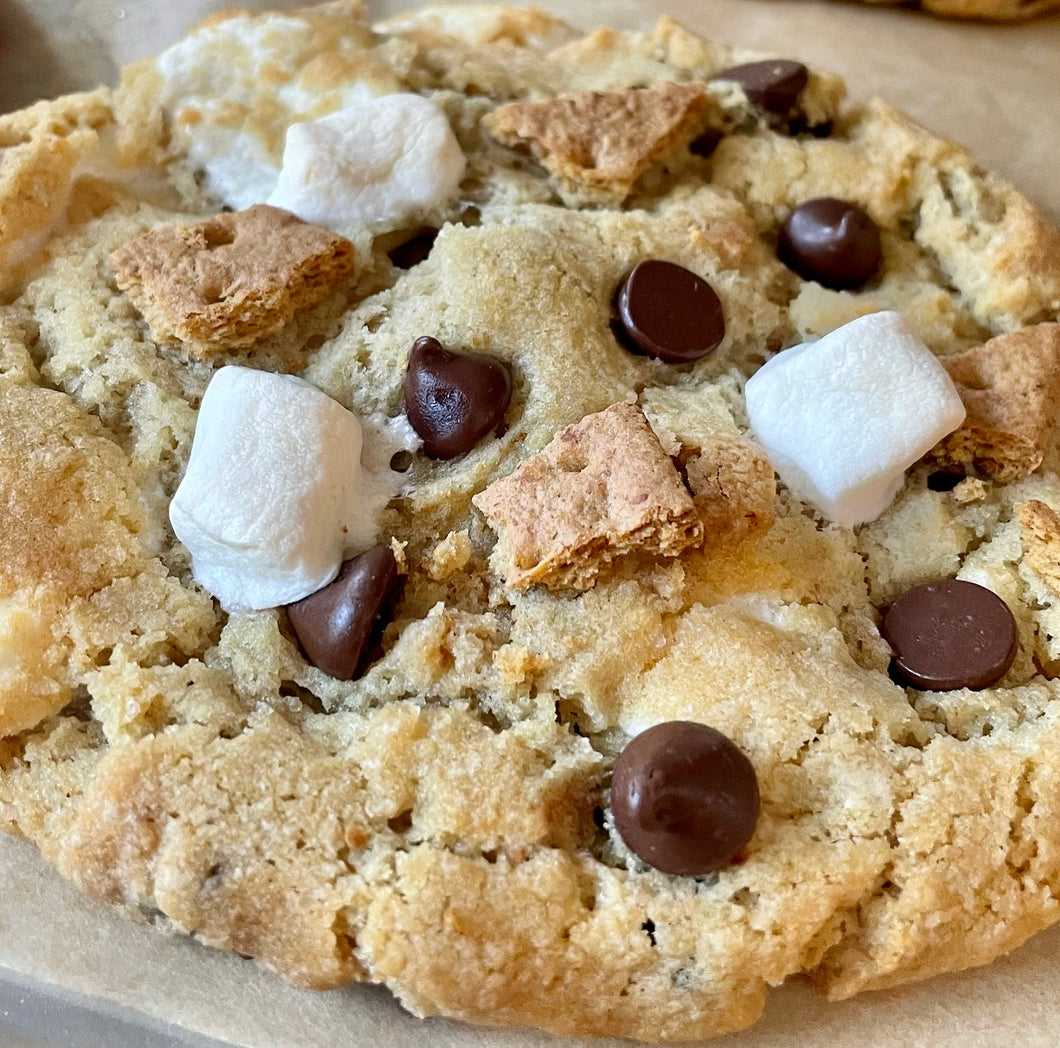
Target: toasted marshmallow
{"x":844,"y":417}
{"x":275,"y":495}
{"x":479,"y":24}
{"x":235,"y":84}
{"x":381,"y":161}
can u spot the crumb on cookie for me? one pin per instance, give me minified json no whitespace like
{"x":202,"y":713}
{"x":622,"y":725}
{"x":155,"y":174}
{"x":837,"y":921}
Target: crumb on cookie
{"x":1040,"y":530}
{"x":733,"y":487}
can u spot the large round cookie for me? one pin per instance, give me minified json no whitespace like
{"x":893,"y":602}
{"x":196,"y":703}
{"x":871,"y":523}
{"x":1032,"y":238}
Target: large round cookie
{"x":444,"y":822}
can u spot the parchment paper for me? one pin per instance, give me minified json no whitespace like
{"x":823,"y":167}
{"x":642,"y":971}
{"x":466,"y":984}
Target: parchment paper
{"x":995,"y":88}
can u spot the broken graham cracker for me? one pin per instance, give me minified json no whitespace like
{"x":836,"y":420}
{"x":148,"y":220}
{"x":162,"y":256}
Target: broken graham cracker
{"x":1040,"y":528}
{"x":598,"y":143}
{"x":603,"y":487}
{"x":233,"y":280}
{"x":733,"y":487}
{"x":1011,"y":389}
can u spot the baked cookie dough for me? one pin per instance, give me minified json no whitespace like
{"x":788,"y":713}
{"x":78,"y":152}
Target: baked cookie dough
{"x":597,"y":698}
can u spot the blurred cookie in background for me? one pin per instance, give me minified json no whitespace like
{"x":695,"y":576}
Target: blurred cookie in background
{"x":986,"y":10}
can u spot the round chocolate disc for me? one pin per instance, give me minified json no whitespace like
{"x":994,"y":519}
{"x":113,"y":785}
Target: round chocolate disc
{"x":337,"y":625}
{"x":831,"y":241}
{"x":773,"y":85}
{"x":950,"y":634}
{"x":454,"y":399}
{"x":668,"y":312}
{"x":684,"y":797}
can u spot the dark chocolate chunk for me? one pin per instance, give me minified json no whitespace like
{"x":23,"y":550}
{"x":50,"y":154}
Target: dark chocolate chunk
{"x":667,"y":311}
{"x":454,"y":399}
{"x":831,"y":241}
{"x":414,"y":250}
{"x":950,"y":634}
{"x":337,"y":625}
{"x":772,"y":85}
{"x":684,"y":797}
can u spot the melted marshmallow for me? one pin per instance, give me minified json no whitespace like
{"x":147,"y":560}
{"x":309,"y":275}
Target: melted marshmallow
{"x":381,"y":161}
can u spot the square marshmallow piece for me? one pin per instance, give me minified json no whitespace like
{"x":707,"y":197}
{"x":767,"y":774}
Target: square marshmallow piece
{"x":844,"y":417}
{"x":274,"y":492}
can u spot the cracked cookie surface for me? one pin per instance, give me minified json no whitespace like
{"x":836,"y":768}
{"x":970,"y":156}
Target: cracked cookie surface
{"x":442,"y":824}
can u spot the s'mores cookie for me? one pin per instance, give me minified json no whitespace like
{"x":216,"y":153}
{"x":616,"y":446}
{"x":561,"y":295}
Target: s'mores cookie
{"x":563,"y":525}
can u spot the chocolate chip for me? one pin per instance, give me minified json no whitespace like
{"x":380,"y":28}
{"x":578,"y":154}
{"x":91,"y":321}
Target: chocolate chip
{"x":337,"y":625}
{"x":684,"y":797}
{"x":950,"y":634}
{"x":454,"y":399}
{"x":415,"y":250}
{"x":773,"y":85}
{"x":831,"y":241}
{"x":945,"y":479}
{"x":666,"y":311}
{"x":707,"y":142}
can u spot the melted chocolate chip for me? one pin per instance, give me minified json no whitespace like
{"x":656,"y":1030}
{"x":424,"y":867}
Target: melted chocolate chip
{"x":773,"y":85}
{"x":415,"y":250}
{"x":337,"y":625}
{"x":950,"y":634}
{"x":666,"y":311}
{"x":454,"y":399}
{"x":684,"y":797}
{"x":832,"y":242}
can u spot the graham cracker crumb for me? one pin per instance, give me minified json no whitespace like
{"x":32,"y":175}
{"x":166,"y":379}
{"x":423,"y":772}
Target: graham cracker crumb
{"x":603,"y":141}
{"x":232,"y":280}
{"x":602,"y":488}
{"x":1040,"y":527}
{"x":1011,"y":388}
{"x":733,"y":486}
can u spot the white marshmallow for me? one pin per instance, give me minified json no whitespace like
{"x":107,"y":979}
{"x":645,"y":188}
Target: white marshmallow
{"x":274,"y":495}
{"x":379,"y":161}
{"x":842,"y":418}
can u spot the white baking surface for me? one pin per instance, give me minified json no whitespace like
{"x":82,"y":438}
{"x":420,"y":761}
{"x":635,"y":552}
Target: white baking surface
{"x":74,"y":973}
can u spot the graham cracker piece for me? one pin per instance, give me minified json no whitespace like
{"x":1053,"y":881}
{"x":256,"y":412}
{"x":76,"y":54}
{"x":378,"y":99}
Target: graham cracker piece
{"x":602,"y":488}
{"x":601,"y":142}
{"x":233,"y":280}
{"x":1011,"y":388}
{"x":733,"y":486}
{"x":1040,"y":528}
